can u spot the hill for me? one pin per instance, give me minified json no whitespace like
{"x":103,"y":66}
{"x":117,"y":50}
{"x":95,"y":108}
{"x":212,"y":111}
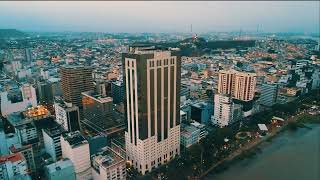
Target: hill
{"x":11,"y":33}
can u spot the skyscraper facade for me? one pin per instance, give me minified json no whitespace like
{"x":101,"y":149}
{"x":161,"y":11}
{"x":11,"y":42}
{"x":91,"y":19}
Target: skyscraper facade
{"x":98,"y":111}
{"x":152,"y":80}
{"x":269,"y":93}
{"x":67,"y":115}
{"x":239,"y":85}
{"x":74,"y":81}
{"x":117,"y":91}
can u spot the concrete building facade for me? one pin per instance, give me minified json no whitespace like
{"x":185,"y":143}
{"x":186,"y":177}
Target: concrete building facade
{"x":152,"y":80}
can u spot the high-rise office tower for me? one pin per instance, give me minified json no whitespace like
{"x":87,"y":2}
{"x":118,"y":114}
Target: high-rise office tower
{"x":238,"y":85}
{"x":269,"y":93}
{"x":48,"y":89}
{"x":74,"y":81}
{"x":98,"y":111}
{"x":117,"y":91}
{"x":28,"y":53}
{"x":152,"y":80}
{"x":67,"y":115}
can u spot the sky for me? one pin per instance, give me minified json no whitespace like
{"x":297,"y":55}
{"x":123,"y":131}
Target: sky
{"x":174,"y":16}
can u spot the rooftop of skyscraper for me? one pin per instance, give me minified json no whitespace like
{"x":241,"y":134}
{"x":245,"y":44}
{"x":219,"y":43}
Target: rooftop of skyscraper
{"x":75,"y":66}
{"x":148,"y":49}
{"x":75,"y":139}
{"x":96,"y":96}
{"x":54,"y":130}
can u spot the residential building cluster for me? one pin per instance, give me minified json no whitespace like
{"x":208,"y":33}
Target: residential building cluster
{"x":65,"y":103}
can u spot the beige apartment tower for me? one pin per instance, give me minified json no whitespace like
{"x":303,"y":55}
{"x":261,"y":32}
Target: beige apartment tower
{"x":238,"y":85}
{"x":152,"y":80}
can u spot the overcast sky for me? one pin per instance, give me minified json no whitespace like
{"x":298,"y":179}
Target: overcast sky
{"x":176,"y":16}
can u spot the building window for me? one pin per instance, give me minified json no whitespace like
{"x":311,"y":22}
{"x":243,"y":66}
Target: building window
{"x":151,"y":64}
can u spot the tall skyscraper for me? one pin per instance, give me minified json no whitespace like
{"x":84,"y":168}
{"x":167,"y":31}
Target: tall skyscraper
{"x":28,"y":54}
{"x":48,"y":89}
{"x":67,"y":115}
{"x":98,"y":111}
{"x":152,"y":80}
{"x":117,"y":91}
{"x":238,"y":85}
{"x":269,"y":93}
{"x":74,"y":81}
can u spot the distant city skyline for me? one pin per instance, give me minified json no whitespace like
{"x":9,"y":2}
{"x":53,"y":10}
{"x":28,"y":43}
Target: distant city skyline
{"x":132,"y":17}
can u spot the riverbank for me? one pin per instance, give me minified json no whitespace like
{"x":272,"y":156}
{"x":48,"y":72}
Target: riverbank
{"x":294,"y":155}
{"x":252,"y":148}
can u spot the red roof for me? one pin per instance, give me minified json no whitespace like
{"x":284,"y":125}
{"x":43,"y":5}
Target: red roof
{"x":11,"y":157}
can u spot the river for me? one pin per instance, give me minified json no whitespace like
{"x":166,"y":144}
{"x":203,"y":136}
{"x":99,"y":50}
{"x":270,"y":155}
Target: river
{"x":290,"y":156}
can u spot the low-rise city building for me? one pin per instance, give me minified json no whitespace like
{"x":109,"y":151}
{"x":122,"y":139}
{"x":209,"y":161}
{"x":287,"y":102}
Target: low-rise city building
{"x":62,"y":169}
{"x":107,"y":164}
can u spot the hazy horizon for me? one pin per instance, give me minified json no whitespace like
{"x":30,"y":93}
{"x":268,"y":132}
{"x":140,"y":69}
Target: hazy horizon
{"x":156,"y":17}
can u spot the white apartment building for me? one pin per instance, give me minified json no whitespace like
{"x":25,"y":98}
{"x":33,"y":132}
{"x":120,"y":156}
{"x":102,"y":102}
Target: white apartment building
{"x":76,"y":148}
{"x":225,"y":111}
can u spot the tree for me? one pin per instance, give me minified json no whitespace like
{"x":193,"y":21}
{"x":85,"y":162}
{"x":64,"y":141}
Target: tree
{"x":239,"y":64}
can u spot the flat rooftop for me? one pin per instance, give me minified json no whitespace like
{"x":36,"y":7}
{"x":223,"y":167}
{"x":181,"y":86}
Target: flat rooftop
{"x":97,"y":97}
{"x":75,"y":139}
{"x":54,"y":130}
{"x":107,"y":157}
{"x":59,"y":165}
{"x":15,"y":118}
{"x":75,"y":66}
{"x":118,"y":83}
{"x":58,"y":100}
{"x":187,"y":130}
{"x":200,"y":105}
